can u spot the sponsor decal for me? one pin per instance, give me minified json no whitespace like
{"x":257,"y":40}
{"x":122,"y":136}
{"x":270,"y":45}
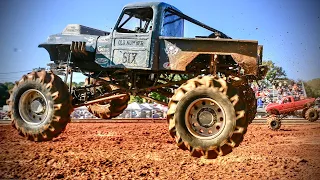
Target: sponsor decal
{"x":166,"y":65}
{"x":171,"y":49}
{"x":102,"y":48}
{"x":130,"y":42}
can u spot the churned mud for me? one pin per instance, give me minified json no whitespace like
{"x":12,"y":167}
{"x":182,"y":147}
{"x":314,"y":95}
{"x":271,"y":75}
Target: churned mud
{"x":146,"y":151}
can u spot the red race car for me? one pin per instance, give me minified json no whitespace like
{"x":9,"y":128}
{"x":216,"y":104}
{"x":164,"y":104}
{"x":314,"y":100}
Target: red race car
{"x":287,"y":106}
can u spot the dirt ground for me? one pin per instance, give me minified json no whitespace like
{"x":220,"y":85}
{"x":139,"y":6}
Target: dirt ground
{"x":146,"y":151}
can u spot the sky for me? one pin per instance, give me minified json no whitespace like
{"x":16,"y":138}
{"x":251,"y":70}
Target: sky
{"x":289,"y":30}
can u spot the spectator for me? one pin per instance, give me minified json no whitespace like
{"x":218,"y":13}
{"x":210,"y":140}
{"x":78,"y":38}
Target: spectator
{"x":155,"y":115}
{"x":260,"y":103}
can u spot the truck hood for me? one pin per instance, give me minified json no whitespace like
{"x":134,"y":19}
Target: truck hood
{"x":77,"y":29}
{"x":75,"y":33}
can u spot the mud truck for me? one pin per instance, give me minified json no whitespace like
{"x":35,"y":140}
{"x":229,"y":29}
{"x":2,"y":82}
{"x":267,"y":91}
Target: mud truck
{"x":289,"y":106}
{"x":206,"y":78}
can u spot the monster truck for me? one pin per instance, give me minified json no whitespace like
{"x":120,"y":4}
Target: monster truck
{"x":288,"y":106}
{"x":206,"y":78}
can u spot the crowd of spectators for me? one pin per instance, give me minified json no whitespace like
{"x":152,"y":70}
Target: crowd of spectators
{"x":82,"y":113}
{"x":144,"y":110}
{"x":279,"y":89}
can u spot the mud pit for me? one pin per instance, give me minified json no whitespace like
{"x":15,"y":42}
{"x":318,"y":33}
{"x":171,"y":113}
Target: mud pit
{"x":146,"y":151}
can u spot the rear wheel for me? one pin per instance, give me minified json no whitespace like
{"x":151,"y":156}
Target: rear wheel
{"x":108,"y":109}
{"x":250,"y":100}
{"x":40,"y":106}
{"x":312,"y":114}
{"x":207,"y":117}
{"x":273,"y":123}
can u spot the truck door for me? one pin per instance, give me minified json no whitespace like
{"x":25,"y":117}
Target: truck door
{"x":288,"y":105}
{"x":132,"y":37}
{"x":285,"y":107}
{"x":292,"y":104}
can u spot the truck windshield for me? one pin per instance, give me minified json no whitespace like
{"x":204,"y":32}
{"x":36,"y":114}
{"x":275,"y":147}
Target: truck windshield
{"x":286,"y":100}
{"x":136,"y":21}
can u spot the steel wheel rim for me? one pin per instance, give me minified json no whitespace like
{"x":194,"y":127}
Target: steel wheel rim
{"x":33,"y":107}
{"x":205,"y":118}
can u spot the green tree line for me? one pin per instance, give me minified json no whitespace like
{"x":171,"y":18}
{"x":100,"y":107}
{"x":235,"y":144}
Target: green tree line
{"x":312,"y":88}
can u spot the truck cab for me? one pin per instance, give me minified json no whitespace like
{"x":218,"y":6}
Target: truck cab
{"x":134,"y":39}
{"x":287,"y":104}
{"x":288,"y":99}
{"x":132,"y":44}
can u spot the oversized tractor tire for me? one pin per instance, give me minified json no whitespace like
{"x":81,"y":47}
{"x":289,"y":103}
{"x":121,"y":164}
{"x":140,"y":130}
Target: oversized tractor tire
{"x":207,"y":117}
{"x":108,"y":109}
{"x":303,"y":113}
{"x":40,"y":106}
{"x":249,"y":98}
{"x":312,"y":114}
{"x":274,"y":123}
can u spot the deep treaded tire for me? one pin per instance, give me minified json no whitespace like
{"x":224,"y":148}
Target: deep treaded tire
{"x":303,"y":113}
{"x":207,"y":117}
{"x":111,"y":109}
{"x":250,"y":100}
{"x":312,"y":114}
{"x":273,"y":123}
{"x":40,"y":106}
{"x":107,"y":109}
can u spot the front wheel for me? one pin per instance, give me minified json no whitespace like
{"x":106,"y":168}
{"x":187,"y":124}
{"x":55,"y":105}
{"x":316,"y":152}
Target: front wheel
{"x":40,"y":106}
{"x":274,"y":123}
{"x":248,"y":96}
{"x":207,"y":117}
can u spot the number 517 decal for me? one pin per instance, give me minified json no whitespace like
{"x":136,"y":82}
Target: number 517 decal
{"x":129,"y":58}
